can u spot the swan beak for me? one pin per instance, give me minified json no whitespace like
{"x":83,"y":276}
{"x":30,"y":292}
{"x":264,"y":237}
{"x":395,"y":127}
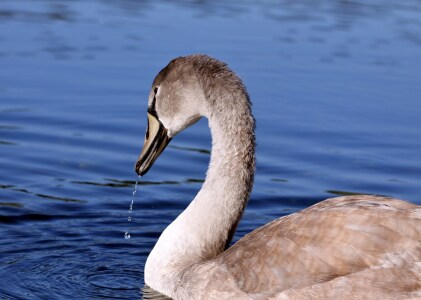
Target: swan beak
{"x":156,"y":139}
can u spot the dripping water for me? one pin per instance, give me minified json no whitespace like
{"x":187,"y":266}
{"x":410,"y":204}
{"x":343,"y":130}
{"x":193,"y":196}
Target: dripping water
{"x":129,"y":218}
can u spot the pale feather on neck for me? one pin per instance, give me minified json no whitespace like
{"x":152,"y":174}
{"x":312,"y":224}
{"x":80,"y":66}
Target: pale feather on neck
{"x":204,"y":229}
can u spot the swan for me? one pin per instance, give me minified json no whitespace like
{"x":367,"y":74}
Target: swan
{"x":353,"y":247}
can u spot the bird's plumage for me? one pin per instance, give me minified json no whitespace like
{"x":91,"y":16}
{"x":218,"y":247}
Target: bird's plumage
{"x":355,"y":247}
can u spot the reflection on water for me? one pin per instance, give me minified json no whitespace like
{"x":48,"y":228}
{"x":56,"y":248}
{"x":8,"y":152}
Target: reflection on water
{"x":344,"y":193}
{"x":204,"y":151}
{"x":150,"y":294}
{"x":124,"y":183}
{"x":335,"y":90}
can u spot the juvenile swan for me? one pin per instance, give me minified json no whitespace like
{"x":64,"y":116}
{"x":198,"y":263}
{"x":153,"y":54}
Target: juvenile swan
{"x":357,"y":247}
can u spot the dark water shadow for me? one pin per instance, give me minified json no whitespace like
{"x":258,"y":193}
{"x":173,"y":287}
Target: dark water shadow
{"x":347,"y":193}
{"x":114,"y":183}
{"x":11,"y":204}
{"x":151,"y":294}
{"x":45,"y":196}
{"x":197,"y":150}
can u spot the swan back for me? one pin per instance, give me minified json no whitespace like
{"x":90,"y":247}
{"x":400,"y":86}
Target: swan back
{"x":356,"y":245}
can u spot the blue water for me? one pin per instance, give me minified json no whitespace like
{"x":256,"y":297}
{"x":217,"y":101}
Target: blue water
{"x":336,"y":91}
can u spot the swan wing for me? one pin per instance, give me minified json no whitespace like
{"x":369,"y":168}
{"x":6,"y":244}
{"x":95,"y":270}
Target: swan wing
{"x":346,"y":244}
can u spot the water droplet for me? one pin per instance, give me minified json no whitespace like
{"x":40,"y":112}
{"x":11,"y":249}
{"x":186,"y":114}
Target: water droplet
{"x":131,"y":206}
{"x":129,"y":218}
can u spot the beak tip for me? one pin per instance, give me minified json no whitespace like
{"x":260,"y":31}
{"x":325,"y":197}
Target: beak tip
{"x":137,"y":169}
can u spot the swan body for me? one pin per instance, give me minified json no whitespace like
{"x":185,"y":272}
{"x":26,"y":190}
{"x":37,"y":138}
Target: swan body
{"x":356,"y":247}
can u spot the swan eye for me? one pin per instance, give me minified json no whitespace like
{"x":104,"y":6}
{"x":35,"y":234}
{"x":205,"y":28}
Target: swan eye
{"x":151,"y":108}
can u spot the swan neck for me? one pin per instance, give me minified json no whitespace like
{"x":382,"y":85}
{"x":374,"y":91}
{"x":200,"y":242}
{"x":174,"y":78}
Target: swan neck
{"x":205,"y":228}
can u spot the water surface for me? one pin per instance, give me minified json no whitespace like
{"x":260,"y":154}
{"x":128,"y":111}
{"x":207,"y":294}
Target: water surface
{"x":336,"y":94}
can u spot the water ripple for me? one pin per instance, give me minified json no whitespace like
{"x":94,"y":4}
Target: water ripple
{"x":337,"y":113}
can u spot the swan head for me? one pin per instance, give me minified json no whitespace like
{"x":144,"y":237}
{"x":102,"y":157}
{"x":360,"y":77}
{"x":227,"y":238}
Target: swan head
{"x":175,"y":102}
